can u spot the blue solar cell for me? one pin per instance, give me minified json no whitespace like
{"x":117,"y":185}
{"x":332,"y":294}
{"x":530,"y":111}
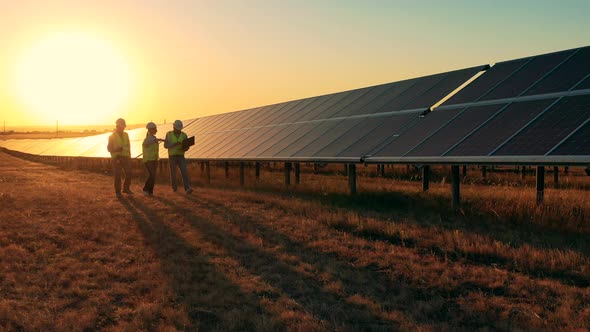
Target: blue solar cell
{"x":578,"y":144}
{"x":390,"y":126}
{"x":474,"y":90}
{"x":585,"y":84}
{"x":549,"y":128}
{"x":442,"y":88}
{"x":566,"y":75}
{"x":327,"y":137}
{"x":526,"y":76}
{"x":455,"y":130}
{"x":407,"y":139}
{"x":500,"y":128}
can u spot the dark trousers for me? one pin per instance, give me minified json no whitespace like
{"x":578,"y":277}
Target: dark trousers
{"x":152,"y":167}
{"x":122,"y":164}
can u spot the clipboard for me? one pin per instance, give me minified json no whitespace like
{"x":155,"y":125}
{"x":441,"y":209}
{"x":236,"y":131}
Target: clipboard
{"x":187,"y":143}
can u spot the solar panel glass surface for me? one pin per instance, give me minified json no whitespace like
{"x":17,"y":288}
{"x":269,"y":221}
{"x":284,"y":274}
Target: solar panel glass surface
{"x":442,"y":88}
{"x":549,"y":128}
{"x":528,"y":75}
{"x":566,"y":75}
{"x":578,"y":144}
{"x":390,"y":126}
{"x":489,"y":79}
{"x":421,"y":129}
{"x":455,"y":130}
{"x":327,"y":137}
{"x":500,"y":128}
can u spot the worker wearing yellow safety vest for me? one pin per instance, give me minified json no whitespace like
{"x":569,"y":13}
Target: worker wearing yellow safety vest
{"x":120,"y":150}
{"x":176,"y":158}
{"x":151,"y":153}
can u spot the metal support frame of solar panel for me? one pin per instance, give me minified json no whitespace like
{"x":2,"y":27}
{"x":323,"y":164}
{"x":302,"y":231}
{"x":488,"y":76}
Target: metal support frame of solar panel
{"x":324,"y":128}
{"x":547,"y":81}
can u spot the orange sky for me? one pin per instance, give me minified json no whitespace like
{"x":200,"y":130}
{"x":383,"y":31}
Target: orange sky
{"x":195,"y":58}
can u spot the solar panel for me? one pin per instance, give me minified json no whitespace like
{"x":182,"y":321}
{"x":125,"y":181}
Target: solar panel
{"x":492,"y":77}
{"x":483,"y":141}
{"x":451,"y":133}
{"x":528,"y":75}
{"x":406,"y":140}
{"x":327,"y":137}
{"x":279,"y":112}
{"x":578,"y":144}
{"x":549,"y":128}
{"x":585,"y":84}
{"x":450,"y":82}
{"x":566,"y":75}
{"x":318,"y":129}
{"x":390,"y":126}
{"x":361,"y":103}
{"x":348,"y":138}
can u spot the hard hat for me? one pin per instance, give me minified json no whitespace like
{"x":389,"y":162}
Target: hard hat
{"x":121,"y":121}
{"x":177,"y":125}
{"x":151,"y":125}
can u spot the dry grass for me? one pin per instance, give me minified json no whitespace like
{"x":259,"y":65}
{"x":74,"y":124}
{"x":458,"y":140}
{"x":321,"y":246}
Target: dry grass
{"x":72,"y":257}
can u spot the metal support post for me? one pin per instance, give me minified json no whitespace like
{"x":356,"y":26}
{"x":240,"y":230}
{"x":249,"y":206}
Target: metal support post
{"x":241,"y":173}
{"x":425,"y":177}
{"x":456,"y":183}
{"x":352,"y":179}
{"x":288,"y":174}
{"x":540,"y":184}
{"x":297,"y":171}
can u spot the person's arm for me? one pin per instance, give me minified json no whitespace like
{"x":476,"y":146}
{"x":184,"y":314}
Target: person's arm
{"x":149,"y":140}
{"x":128,"y":142}
{"x":167,"y":143}
{"x":111,"y":145}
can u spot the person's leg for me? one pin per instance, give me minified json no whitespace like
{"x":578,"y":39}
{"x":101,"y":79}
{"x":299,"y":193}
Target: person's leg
{"x":151,"y":167}
{"x":126,"y":164}
{"x":183,"y":171}
{"x":117,"y":174}
{"x":173,"y":160}
{"x":146,"y":186}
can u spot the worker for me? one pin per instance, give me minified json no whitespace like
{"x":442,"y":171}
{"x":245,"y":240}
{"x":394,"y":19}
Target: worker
{"x":120,"y":150}
{"x":151,"y":154}
{"x":173,"y":143}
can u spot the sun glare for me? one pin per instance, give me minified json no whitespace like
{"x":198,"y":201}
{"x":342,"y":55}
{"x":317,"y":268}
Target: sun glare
{"x":74,"y":78}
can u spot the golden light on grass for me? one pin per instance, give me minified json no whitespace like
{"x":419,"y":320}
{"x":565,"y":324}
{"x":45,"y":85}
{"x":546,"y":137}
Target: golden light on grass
{"x":73,"y":77}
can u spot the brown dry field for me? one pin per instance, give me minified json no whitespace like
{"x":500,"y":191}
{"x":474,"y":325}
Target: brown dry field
{"x":75,"y":258}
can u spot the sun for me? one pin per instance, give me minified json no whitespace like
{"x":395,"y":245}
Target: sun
{"x":74,"y":78}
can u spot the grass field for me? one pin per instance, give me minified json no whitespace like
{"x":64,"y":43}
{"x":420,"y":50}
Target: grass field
{"x":75,"y":258}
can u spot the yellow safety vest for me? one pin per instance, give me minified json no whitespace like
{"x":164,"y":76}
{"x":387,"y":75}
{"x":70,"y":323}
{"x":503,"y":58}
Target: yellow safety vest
{"x":172,"y":139}
{"x":120,"y":141}
{"x":152,"y":151}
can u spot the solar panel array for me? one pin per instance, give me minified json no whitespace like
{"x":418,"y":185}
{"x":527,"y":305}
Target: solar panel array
{"x":529,"y":110}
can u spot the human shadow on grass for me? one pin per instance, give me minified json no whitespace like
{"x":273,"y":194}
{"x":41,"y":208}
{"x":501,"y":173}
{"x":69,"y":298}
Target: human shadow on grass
{"x":498,"y":232}
{"x":423,"y":304}
{"x":310,"y":293}
{"x":207,"y":294}
{"x":435,"y":210}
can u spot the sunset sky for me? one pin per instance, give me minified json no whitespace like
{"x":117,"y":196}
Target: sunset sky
{"x":90,"y":62}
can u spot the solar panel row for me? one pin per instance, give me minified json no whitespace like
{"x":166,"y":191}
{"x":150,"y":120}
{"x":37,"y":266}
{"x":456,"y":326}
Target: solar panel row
{"x":536,"y":106}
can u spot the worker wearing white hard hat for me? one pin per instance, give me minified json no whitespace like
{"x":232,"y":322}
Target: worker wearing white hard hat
{"x":151,"y":154}
{"x":176,"y":158}
{"x":120,"y":149}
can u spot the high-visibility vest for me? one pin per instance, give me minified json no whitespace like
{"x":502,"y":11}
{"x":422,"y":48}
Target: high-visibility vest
{"x":151,"y":152}
{"x":172,"y":139}
{"x":120,"y":141}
